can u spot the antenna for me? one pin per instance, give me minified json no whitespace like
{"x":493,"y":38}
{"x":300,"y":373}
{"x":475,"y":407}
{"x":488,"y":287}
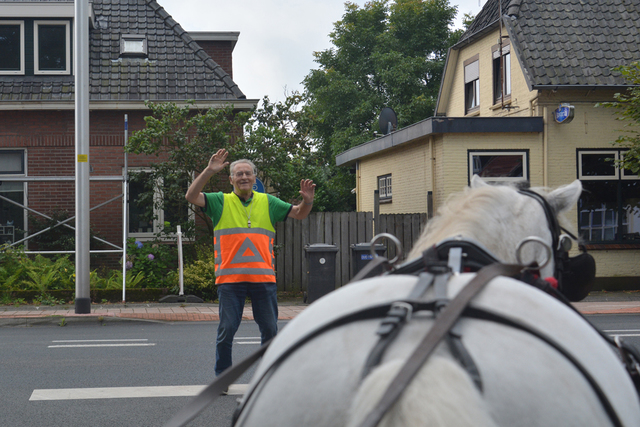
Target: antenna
{"x":388,"y":121}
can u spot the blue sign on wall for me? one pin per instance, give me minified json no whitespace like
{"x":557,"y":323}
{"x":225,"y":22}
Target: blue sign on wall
{"x":564,"y":113}
{"x":258,"y":186}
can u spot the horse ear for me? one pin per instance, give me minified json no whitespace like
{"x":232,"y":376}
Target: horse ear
{"x":563,"y":198}
{"x":477,"y":182}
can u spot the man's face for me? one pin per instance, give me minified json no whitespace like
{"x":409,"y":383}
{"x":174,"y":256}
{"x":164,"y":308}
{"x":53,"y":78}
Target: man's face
{"x":242,"y":178}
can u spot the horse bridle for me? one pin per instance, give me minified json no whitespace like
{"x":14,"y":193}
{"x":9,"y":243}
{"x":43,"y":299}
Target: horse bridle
{"x":575,"y":275}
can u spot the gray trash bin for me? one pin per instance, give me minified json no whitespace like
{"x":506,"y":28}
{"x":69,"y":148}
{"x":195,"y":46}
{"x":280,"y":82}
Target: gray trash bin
{"x":361,"y":255}
{"x":321,"y":261}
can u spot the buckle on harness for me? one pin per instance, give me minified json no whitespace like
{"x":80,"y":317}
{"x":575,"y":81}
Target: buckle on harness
{"x":399,"y":313}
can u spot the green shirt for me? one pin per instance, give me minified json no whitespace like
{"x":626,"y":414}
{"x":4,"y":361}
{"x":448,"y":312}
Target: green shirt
{"x":214,"y":202}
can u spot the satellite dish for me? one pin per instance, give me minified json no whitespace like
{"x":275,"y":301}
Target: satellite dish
{"x":388,"y":121}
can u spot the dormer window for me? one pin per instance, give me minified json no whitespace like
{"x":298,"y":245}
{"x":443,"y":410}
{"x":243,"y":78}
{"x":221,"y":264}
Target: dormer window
{"x":133,"y":45}
{"x":11,"y":46}
{"x":52,"y":47}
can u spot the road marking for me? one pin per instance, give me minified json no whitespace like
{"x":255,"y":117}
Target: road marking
{"x":238,"y":340}
{"x":102,"y":345}
{"x":123,"y":340}
{"x":127,"y":392}
{"x":625,"y":335}
{"x":132,"y":342}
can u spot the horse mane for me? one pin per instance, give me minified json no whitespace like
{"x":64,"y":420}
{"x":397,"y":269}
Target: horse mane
{"x":477,"y":213}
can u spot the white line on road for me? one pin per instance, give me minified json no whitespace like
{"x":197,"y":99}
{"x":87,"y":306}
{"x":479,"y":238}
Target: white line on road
{"x":102,"y":345}
{"x":123,"y":340}
{"x":625,"y":335}
{"x":126,"y":392}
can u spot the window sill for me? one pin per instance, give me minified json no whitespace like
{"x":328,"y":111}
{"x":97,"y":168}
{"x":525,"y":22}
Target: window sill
{"x":385,"y":201}
{"x":498,"y":105}
{"x":474,"y":112}
{"x":611,"y":246}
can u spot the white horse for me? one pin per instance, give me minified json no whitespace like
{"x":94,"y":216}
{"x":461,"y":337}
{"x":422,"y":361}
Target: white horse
{"x":525,"y":382}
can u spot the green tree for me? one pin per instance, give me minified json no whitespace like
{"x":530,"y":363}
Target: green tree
{"x":277,"y":139}
{"x":183,"y":140}
{"x":628,"y":111}
{"x":384,"y":54}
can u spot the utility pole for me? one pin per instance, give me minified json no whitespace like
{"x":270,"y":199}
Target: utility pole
{"x":81,"y":71}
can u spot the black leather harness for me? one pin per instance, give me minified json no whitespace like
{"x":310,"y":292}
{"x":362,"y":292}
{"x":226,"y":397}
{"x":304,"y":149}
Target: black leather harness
{"x":433,"y":269}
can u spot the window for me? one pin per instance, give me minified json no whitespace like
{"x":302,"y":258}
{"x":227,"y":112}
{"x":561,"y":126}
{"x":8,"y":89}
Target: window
{"x":52,"y":47}
{"x":11,"y":47}
{"x":11,"y":215}
{"x":384,"y":187}
{"x":501,"y":73}
{"x":156,"y":207}
{"x":609,"y":207}
{"x":471,"y":85}
{"x":499,"y":166}
{"x":133,"y":45}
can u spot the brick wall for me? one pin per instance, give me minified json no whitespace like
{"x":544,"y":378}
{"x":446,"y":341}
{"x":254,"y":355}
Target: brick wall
{"x":520,"y":94}
{"x":48,"y":139}
{"x":221,"y":52}
{"x":411,"y":179}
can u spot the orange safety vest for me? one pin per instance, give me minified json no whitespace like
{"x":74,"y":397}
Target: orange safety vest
{"x":243,"y":253}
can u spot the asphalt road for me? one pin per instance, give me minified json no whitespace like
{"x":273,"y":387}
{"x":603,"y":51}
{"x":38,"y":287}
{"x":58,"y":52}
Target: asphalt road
{"x":42,"y":359}
{"x":38,"y":361}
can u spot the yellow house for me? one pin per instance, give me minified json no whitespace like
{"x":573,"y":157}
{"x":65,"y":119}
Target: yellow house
{"x":518,"y":102}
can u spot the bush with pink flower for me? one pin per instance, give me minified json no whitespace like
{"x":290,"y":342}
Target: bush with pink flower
{"x":153,"y":259}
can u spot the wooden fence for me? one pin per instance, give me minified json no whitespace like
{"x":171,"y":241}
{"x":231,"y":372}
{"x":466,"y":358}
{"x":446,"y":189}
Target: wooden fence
{"x":341,"y":229}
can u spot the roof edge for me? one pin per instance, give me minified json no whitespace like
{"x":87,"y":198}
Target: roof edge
{"x":198,"y":51}
{"x":441,"y":125}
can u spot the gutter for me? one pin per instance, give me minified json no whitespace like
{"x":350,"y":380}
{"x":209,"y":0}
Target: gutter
{"x":238,"y":104}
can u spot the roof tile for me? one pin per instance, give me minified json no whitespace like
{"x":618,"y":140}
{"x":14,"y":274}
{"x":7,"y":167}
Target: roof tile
{"x":172,"y":55}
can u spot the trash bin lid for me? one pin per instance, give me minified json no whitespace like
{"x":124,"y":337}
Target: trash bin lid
{"x":367,"y":246}
{"x":320,"y":247}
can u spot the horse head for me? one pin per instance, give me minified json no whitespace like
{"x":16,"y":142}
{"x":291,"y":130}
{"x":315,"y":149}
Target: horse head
{"x":503,"y":217}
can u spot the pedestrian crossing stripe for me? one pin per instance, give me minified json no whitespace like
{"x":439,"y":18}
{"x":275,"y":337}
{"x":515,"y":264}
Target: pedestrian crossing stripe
{"x":127,"y":392}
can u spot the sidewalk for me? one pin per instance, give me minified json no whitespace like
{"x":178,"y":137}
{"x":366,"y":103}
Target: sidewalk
{"x":627,"y":302}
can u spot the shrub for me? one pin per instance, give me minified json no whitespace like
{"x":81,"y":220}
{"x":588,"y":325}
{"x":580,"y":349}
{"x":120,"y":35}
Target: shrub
{"x":153,"y":259}
{"x":199,"y":275}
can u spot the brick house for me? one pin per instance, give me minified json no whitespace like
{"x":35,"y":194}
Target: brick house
{"x":517,"y":101}
{"x":138,"y":52}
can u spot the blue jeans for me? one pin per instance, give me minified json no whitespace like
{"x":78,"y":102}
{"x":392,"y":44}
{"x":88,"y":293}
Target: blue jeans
{"x":264,"y":302}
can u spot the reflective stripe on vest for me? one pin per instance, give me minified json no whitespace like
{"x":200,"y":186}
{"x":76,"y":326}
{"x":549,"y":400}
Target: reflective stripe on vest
{"x":244,"y":254}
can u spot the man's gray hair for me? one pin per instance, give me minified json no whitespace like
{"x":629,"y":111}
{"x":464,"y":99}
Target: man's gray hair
{"x":249,"y":162}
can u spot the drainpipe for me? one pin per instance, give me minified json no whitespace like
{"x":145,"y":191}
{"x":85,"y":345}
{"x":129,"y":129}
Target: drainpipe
{"x":545,"y":148}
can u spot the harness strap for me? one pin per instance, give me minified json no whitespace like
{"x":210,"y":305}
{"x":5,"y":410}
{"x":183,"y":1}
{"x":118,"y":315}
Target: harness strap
{"x":485,"y":314}
{"x":462,"y":355}
{"x":392,"y":324}
{"x":450,"y":314}
{"x":215,"y":389}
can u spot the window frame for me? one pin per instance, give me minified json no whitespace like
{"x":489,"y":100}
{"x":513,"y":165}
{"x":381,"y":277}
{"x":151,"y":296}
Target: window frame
{"x":133,"y":37}
{"x":472,"y":84}
{"x":21,"y":71}
{"x":617,"y":177}
{"x":499,"y":152}
{"x":22,"y":172}
{"x":157,"y":213}
{"x":385,"y":191}
{"x":500,"y":59}
{"x":36,"y":48}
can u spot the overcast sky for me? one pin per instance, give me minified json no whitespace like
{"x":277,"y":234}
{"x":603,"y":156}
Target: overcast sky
{"x":277,"y":37}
